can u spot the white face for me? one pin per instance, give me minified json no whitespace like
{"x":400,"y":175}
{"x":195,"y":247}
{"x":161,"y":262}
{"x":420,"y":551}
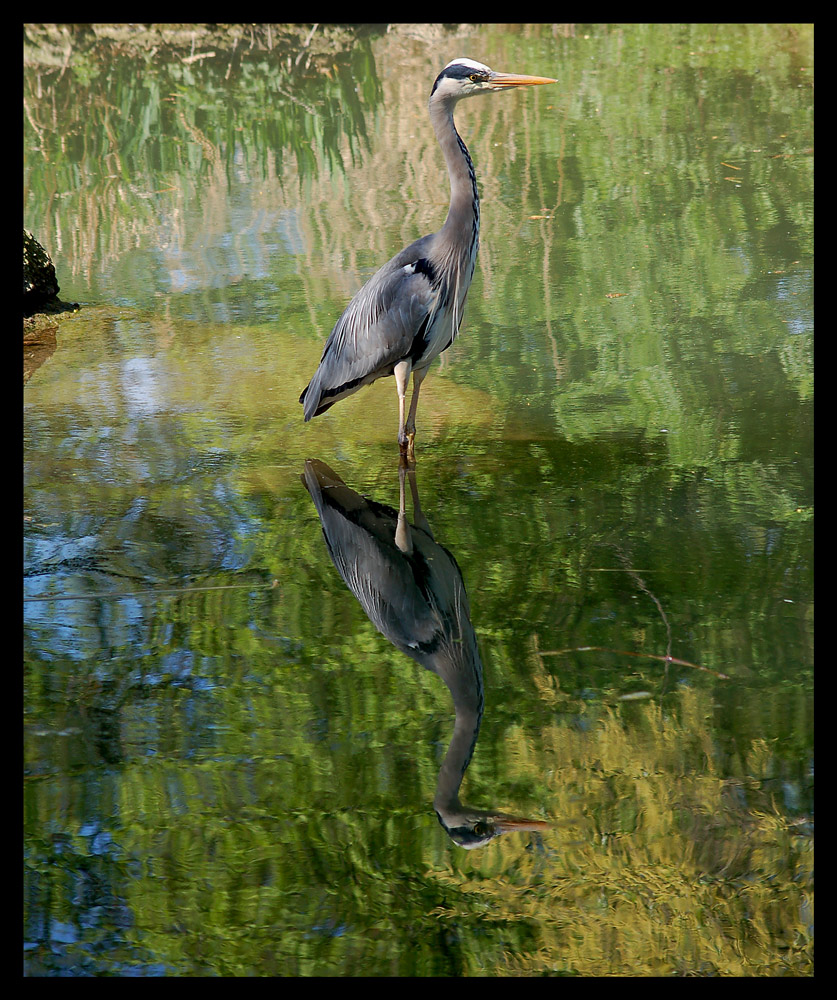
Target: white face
{"x":461,"y":83}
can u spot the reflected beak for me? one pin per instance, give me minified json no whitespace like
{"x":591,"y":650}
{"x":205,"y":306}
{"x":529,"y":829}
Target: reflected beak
{"x":502,"y":81}
{"x":508,"y":824}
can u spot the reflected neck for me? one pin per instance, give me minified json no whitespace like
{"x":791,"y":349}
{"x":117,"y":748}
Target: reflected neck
{"x":468,"y":702}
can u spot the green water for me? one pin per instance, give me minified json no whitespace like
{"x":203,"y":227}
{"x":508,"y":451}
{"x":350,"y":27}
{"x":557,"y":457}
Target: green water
{"x":228,"y":770}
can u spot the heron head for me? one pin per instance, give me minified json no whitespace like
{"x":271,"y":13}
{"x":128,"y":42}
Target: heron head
{"x":465,"y":77}
{"x":470,"y":828}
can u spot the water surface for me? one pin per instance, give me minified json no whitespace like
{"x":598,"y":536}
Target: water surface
{"x":229,"y":770}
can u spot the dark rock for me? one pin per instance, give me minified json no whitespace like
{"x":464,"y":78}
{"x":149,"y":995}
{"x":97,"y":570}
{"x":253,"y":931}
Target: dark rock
{"x":40,"y":285}
{"x":39,"y":281}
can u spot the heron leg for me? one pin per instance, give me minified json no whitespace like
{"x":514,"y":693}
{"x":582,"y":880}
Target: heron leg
{"x":402,"y":378}
{"x":419,"y":520}
{"x":410,"y":427}
{"x":403,"y":536}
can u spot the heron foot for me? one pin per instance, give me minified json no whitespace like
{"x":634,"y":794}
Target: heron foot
{"x":407,"y":449}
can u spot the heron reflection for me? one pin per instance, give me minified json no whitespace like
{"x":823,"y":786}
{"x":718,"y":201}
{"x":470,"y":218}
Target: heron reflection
{"x":411,"y":588}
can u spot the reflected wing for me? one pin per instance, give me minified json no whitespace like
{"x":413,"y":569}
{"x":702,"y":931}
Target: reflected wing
{"x":360,"y":536}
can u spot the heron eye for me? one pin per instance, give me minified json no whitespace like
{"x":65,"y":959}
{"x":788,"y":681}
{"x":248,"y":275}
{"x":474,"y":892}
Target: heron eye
{"x":479,"y":828}
{"x":474,"y":78}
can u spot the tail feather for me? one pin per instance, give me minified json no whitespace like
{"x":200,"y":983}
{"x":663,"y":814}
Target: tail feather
{"x":302,"y":397}
{"x":317,"y":398}
{"x":310,"y":399}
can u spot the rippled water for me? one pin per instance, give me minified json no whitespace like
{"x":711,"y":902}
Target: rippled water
{"x":231,"y":766}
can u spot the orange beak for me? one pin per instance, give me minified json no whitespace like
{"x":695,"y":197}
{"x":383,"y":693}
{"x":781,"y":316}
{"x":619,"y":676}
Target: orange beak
{"x":502,"y":81}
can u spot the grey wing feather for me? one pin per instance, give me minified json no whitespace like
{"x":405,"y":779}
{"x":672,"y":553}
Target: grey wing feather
{"x":376,"y":331}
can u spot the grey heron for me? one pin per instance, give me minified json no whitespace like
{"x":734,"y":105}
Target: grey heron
{"x":411,"y":309}
{"x":411,"y":589}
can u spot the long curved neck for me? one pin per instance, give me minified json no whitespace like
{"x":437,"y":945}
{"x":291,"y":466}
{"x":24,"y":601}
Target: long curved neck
{"x":465,"y":685}
{"x":463,"y":219}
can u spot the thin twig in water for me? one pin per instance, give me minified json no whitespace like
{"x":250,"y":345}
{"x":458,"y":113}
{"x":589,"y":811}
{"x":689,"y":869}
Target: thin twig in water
{"x":644,"y":588}
{"x":627,"y":652}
